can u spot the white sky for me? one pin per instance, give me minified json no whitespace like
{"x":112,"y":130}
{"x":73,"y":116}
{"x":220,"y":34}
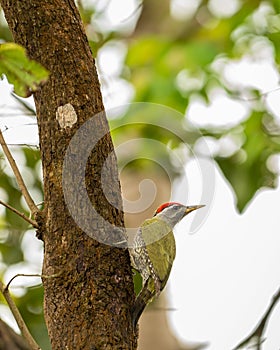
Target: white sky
{"x":226,"y":273}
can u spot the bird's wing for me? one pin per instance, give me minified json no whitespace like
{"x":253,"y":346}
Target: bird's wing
{"x":161,"y":247}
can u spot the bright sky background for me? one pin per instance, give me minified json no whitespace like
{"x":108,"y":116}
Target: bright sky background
{"x":226,"y":273}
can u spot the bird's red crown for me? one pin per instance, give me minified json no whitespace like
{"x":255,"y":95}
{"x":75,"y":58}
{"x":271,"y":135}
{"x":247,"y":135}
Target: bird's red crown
{"x":165,"y":205}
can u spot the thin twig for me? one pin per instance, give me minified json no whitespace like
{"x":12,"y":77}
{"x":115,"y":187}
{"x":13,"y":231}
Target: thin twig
{"x":20,"y":322}
{"x":32,"y":275}
{"x":23,"y":216}
{"x":133,"y":13}
{"x":21,"y":275}
{"x":32,"y":206}
{"x":25,"y":104}
{"x":258,"y":331}
{"x":264,"y":94}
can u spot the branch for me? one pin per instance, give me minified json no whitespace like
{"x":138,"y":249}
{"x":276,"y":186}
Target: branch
{"x":258,"y":331}
{"x":22,"y":275}
{"x":32,"y":275}
{"x":23,"y":216}
{"x":24,"y":104}
{"x":32,"y":206}
{"x":20,"y":322}
{"x":10,"y":339}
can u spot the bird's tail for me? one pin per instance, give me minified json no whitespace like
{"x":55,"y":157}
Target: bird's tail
{"x":143,"y":298}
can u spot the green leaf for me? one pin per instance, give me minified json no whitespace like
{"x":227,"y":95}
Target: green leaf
{"x":246,"y":169}
{"x":23,"y":73}
{"x":200,"y":53}
{"x":146,"y":51}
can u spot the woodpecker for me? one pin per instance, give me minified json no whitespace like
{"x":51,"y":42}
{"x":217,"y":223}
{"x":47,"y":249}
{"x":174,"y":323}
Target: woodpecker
{"x":153,"y":252}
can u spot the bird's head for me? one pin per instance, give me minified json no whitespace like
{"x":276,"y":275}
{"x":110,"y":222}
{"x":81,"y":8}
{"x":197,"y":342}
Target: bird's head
{"x":173,"y":212}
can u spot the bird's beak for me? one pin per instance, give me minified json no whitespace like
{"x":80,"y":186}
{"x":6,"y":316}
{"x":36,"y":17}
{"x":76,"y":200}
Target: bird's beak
{"x":193,"y":207}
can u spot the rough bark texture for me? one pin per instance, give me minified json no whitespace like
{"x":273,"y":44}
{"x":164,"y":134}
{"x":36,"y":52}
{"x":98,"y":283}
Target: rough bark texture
{"x":89,"y":292}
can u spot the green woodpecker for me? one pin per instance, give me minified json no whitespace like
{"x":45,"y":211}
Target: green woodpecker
{"x":153,"y":252}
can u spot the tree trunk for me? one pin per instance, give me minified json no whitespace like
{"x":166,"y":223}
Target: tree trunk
{"x":88,"y":285}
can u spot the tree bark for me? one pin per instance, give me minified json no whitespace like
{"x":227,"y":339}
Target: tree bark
{"x":89,"y":288}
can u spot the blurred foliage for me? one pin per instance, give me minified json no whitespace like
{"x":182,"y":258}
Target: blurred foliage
{"x":150,"y":135}
{"x":171,"y":62}
{"x":12,"y":232}
{"x":185,"y":60}
{"x":31,"y":308}
{"x":23,"y":73}
{"x":249,"y":163}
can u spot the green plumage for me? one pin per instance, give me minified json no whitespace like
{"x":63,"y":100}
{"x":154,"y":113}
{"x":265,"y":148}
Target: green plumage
{"x":152,"y":256}
{"x":153,"y":252}
{"x":160,"y":247}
